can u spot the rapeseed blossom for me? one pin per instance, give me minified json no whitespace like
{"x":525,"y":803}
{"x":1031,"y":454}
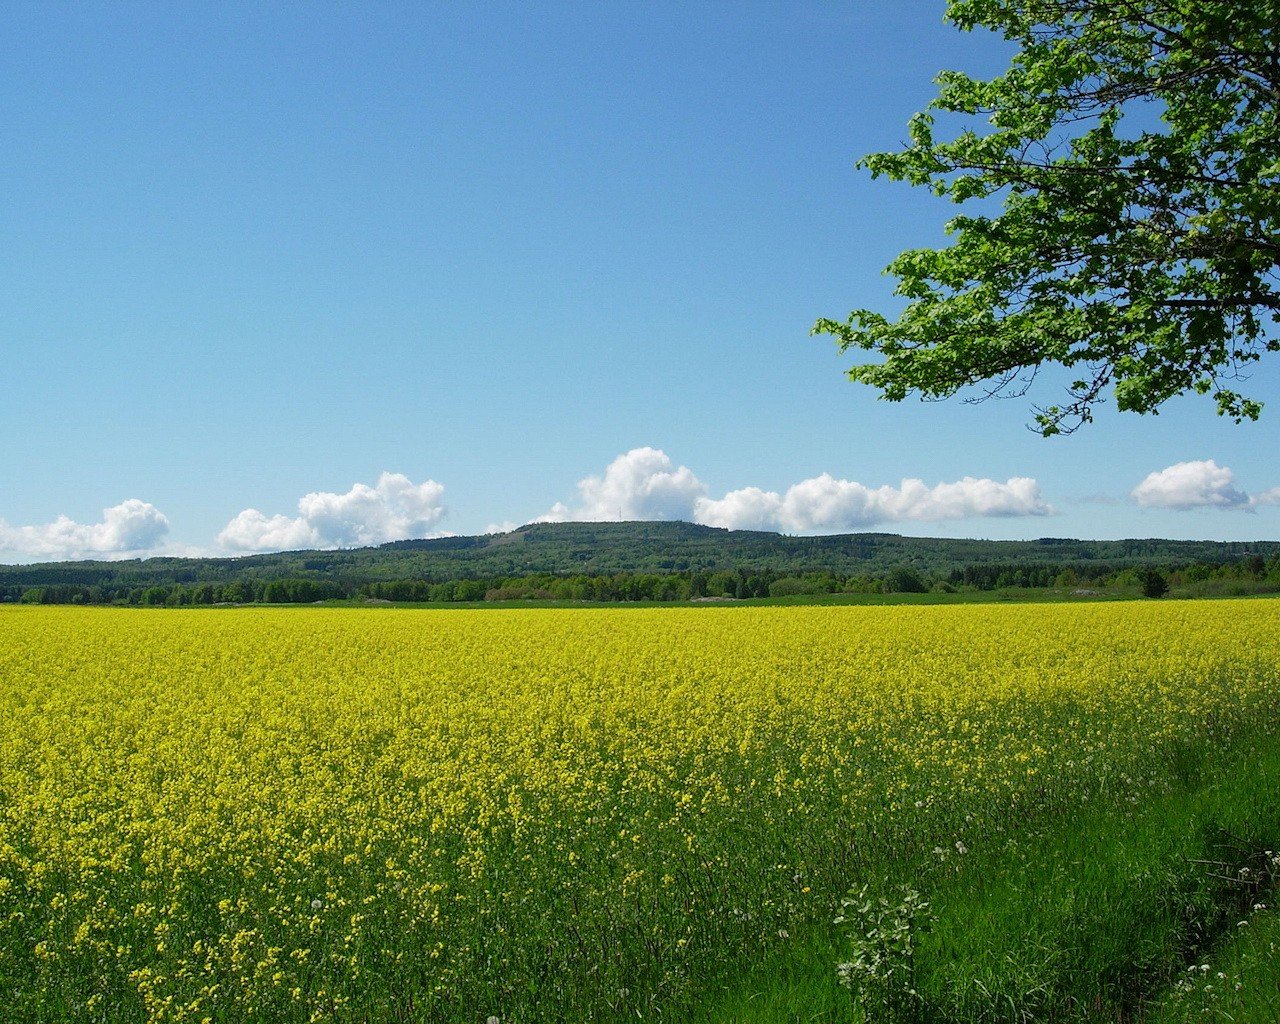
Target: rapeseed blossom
{"x":340,"y":814}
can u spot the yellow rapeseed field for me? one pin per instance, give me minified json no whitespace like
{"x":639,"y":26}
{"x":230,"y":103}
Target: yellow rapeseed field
{"x":312,"y":814}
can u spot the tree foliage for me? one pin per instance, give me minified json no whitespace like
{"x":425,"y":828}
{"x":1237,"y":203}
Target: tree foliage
{"x":1133,"y":147}
{"x":1153,"y":582}
{"x":730,"y":560}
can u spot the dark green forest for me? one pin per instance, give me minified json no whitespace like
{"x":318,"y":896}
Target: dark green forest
{"x":648,"y":561}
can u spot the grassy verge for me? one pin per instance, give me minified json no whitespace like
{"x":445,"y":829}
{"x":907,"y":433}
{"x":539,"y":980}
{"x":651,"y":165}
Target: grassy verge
{"x":1239,"y":984}
{"x":1088,"y":917}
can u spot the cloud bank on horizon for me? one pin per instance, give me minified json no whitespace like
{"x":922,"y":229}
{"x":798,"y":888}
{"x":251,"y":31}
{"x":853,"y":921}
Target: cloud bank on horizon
{"x":645,"y":484}
{"x":641,"y":484}
{"x":395,"y":508}
{"x":126,"y":529}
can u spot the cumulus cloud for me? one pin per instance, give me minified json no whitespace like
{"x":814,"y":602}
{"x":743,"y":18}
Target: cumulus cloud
{"x":1271,"y":497}
{"x":251,"y":530}
{"x":131,"y":527}
{"x":393,"y":509}
{"x":645,"y":484}
{"x":558,"y":513}
{"x":640,"y":484}
{"x":1189,"y":485}
{"x":825,"y":504}
{"x":748,"y":508}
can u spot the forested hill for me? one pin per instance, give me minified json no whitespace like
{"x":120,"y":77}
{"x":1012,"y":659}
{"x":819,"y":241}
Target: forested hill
{"x":639,"y":547}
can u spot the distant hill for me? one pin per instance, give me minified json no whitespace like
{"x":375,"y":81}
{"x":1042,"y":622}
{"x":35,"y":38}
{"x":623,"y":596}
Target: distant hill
{"x":600,"y":548}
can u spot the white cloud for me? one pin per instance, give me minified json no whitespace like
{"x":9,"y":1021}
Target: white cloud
{"x":825,"y":504}
{"x":749,"y":508}
{"x":645,"y":484}
{"x":558,"y":513}
{"x":393,"y":509}
{"x":1271,"y":497}
{"x":131,"y":527}
{"x":640,"y":484}
{"x":1188,"y":485}
{"x":253,"y":531}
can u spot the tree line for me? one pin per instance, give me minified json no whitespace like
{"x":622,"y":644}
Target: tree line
{"x":1252,"y":574}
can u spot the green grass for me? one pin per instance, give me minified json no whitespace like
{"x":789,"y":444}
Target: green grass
{"x":1090,"y":917}
{"x":1239,"y":984}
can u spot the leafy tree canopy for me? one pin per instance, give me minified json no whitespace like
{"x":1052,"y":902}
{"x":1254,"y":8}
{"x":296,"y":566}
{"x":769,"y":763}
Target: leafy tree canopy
{"x":1133,"y":147}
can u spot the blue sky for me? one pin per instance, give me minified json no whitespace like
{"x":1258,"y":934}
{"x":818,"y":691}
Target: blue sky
{"x":255,"y":253}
